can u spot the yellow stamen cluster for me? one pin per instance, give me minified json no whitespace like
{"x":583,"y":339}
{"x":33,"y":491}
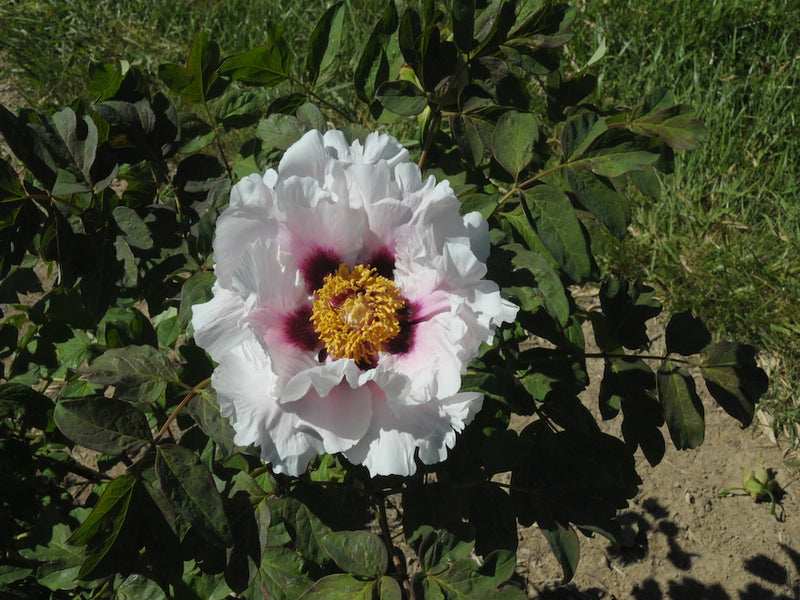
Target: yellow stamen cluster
{"x":355,"y":313}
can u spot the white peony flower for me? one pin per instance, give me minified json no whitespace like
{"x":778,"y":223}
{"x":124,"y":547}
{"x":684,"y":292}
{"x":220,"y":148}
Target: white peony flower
{"x":349,"y":300}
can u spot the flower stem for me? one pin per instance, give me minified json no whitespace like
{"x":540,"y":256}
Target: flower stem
{"x":436,"y":121}
{"x":399,"y":564}
{"x":192,"y":393}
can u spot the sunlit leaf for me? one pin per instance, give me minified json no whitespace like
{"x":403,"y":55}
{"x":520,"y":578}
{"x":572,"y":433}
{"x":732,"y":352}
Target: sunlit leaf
{"x":513,"y":140}
{"x":138,"y":587}
{"x":598,"y":195}
{"x":279,"y":131}
{"x":340,"y":586}
{"x":133,"y":227}
{"x":557,"y":225}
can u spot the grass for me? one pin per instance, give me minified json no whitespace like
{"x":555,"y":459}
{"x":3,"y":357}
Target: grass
{"x":723,"y":240}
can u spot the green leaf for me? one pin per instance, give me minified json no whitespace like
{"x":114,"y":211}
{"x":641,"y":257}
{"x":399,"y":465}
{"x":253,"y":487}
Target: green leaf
{"x":80,"y":138}
{"x":136,"y":232}
{"x":138,"y":587}
{"x":465,"y":133}
{"x":105,"y":521}
{"x":556,"y":224}
{"x":198,"y":81}
{"x":309,"y":530}
{"x":439,"y":548}
{"x":734,"y":380}
{"x":59,"y":561}
{"x":513,"y":141}
{"x":280,"y":576}
{"x":463,"y":12}
{"x":580,"y":132}
{"x":195,"y":290}
{"x":564,"y":543}
{"x":599,"y":196}
{"x":10,"y":186}
{"x":686,"y":334}
{"x":238,"y":109}
{"x":204,"y":409}
{"x":683,"y":410}
{"x":389,"y":589}
{"x":106,"y":425}
{"x":311,"y":117}
{"x":261,"y":66}
{"x":629,"y":384}
{"x":359,"y":553}
{"x":674,"y":124}
{"x":190,"y":488}
{"x":627,"y":310}
{"x":614,"y":152}
{"x":19,"y":401}
{"x":340,"y":586}
{"x":279,"y":131}
{"x":548,"y":283}
{"x":464,"y":580}
{"x":325,"y":42}
{"x":139,"y":373}
{"x":402,"y":97}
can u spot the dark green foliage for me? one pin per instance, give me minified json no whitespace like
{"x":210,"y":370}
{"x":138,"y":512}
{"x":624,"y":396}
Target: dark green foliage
{"x":110,"y":224}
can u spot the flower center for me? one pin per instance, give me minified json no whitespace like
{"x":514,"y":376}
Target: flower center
{"x":355,"y":313}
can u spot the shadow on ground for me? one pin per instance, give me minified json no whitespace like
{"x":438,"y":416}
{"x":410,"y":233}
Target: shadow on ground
{"x":640,"y":527}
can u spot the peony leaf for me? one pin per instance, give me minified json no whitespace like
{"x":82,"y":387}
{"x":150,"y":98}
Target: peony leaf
{"x":103,"y":525}
{"x":627,"y":310}
{"x":359,"y":553}
{"x":734,"y":380}
{"x":565,"y":546}
{"x":550,"y":213}
{"x":438,"y":548}
{"x":373,"y":63}
{"x":279,"y":131}
{"x":139,"y":373}
{"x":195,"y":290}
{"x":402,"y":97}
{"x":28,"y":144}
{"x":495,"y":529}
{"x":629,"y":384}
{"x":464,"y":580}
{"x":59,"y":561}
{"x":463,"y":23}
{"x":138,"y":587}
{"x":280,"y":576}
{"x":261,"y":66}
{"x":548,"y":282}
{"x":309,"y":530}
{"x":513,"y":140}
{"x":204,"y":409}
{"x":601,"y":198}
{"x":340,"y":586}
{"x":135,"y":231}
{"x":465,"y":133}
{"x":107,"y":425}
{"x":674,"y":124}
{"x":190,"y":488}
{"x":686,"y":334}
{"x":580,"y":132}
{"x":682,"y":408}
{"x":325,"y":42}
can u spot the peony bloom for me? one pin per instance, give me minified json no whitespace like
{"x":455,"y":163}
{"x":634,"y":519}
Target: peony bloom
{"x":349,"y":300}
